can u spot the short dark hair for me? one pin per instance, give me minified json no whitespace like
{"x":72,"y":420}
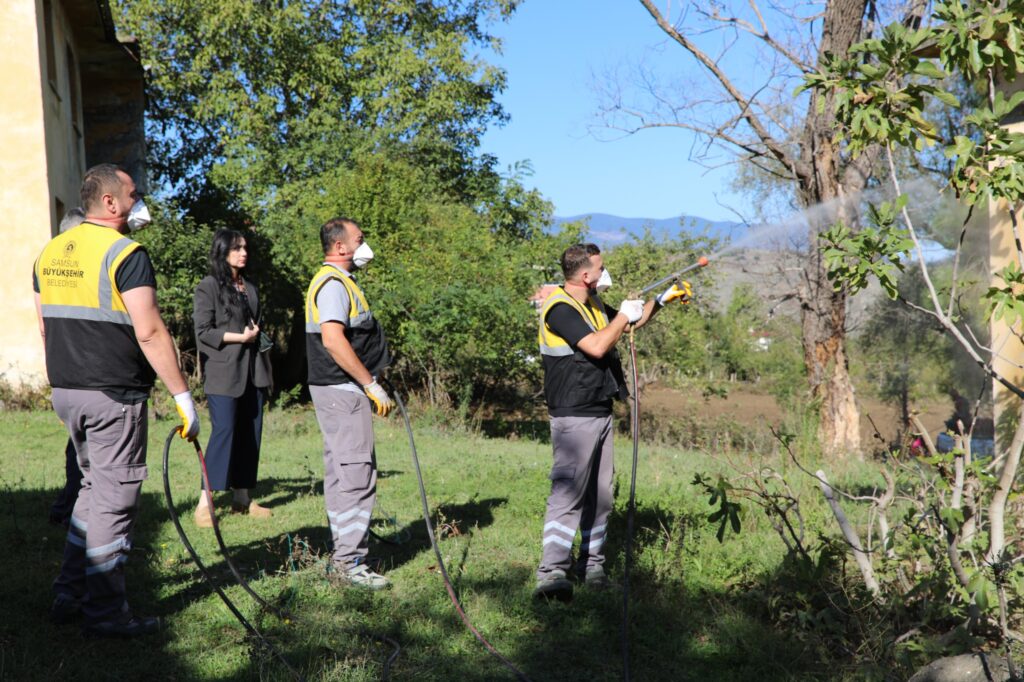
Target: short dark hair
{"x":334,"y":230}
{"x":100,"y":180}
{"x":577,"y":257}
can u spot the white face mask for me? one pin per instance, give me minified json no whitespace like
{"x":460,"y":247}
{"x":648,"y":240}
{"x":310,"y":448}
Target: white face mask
{"x":604,"y":282}
{"x":362,"y":255}
{"x":138,"y":216}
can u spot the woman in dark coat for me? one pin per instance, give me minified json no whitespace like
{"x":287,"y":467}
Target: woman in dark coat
{"x":236,"y":374}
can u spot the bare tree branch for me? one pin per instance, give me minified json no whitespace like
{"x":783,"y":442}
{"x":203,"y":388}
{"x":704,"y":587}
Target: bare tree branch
{"x":741,"y":101}
{"x":863,"y":561}
{"x":956,"y":259}
{"x":937,"y":313}
{"x":759,"y":33}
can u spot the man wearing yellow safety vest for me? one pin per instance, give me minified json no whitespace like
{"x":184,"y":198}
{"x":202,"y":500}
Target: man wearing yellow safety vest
{"x":105,"y":339}
{"x":582,"y":376}
{"x":345,"y":351}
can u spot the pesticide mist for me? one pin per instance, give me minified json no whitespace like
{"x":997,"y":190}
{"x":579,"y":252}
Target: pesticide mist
{"x":937,"y":217}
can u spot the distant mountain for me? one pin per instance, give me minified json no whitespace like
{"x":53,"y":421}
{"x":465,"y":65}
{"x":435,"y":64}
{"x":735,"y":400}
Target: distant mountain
{"x":612,"y":229}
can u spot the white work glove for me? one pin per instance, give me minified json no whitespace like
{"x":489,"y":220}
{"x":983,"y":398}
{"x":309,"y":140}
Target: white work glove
{"x":680,"y":291}
{"x":633,"y":309}
{"x":382,"y":403}
{"x":188,"y":414}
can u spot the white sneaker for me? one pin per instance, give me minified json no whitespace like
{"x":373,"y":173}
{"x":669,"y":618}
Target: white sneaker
{"x":362,"y":577}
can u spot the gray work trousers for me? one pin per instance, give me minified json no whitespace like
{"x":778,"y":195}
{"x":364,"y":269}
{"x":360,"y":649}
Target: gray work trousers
{"x":581,"y":493}
{"x":110,"y":439}
{"x":350,"y":470}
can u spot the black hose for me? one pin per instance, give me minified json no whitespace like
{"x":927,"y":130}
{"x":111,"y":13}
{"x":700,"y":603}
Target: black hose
{"x":630,"y":513}
{"x":202,"y":567}
{"x":280,"y":613}
{"x":437,"y":552}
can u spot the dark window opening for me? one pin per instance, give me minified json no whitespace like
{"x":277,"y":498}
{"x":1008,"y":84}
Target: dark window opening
{"x":51,"y":57}
{"x":73,"y":89}
{"x":58,"y":215}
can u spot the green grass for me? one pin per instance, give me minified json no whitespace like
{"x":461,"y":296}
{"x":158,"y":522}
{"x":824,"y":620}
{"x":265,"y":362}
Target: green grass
{"x":696,"y":614}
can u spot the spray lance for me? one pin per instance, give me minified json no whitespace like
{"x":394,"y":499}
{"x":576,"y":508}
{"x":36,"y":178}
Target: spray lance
{"x":700,"y":263}
{"x":683,"y":286}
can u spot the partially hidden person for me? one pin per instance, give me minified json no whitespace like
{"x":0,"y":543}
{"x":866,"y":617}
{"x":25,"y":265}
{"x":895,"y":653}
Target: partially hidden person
{"x":60,"y":510}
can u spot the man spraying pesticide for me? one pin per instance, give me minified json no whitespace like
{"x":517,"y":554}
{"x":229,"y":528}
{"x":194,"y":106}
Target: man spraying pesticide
{"x":582,"y":376}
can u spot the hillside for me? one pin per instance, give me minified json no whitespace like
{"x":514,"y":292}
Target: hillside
{"x":611,"y":229}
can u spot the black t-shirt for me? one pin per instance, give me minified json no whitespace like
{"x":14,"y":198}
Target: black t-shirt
{"x":565,"y":321}
{"x":135,"y":271}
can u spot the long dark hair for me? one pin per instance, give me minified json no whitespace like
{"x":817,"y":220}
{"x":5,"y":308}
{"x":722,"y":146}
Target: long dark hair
{"x":223,"y":241}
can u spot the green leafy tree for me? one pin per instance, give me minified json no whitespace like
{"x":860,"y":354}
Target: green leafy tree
{"x":880,"y":91}
{"x":275,"y":117}
{"x":247,"y":97}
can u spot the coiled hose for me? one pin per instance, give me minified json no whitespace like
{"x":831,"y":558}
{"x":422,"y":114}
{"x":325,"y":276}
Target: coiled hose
{"x":280,"y":613}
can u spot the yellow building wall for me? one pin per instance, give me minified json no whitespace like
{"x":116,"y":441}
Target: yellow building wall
{"x":47,"y":132}
{"x":42,"y":160}
{"x":24,"y":188}
{"x":1006,"y":342}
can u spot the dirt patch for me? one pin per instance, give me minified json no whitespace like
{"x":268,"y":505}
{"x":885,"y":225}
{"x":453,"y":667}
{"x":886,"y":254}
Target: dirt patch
{"x":747,"y":406}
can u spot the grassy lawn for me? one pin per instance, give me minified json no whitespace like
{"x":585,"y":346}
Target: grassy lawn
{"x":695,"y":610}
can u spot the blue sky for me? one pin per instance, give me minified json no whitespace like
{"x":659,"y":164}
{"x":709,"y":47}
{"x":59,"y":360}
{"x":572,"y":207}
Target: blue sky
{"x":553,"y":51}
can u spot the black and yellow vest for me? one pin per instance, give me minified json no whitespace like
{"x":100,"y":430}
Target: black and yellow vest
{"x":90,"y":341}
{"x":571,"y":378}
{"x":362,"y":331}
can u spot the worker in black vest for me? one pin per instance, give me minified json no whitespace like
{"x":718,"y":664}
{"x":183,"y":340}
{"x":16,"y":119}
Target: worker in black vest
{"x":582,"y":376}
{"x":105,"y":339}
{"x":346,"y":350}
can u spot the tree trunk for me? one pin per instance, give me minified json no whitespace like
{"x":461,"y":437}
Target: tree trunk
{"x":824,"y":341}
{"x":823,"y":309}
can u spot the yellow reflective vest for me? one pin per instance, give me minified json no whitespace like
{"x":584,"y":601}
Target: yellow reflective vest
{"x":362,"y":330}
{"x":90,"y":341}
{"x":574,"y":383}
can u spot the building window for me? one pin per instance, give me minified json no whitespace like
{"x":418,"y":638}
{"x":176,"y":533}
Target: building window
{"x":58,"y":210}
{"x":73,"y":88}
{"x":51,"y":57}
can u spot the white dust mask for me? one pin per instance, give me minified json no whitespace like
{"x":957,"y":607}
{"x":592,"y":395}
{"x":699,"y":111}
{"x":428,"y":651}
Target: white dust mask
{"x":138,"y":216}
{"x":362,"y":255}
{"x":604,"y":283}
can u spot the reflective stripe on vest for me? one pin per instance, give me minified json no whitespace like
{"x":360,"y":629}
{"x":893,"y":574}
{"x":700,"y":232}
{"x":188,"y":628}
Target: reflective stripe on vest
{"x":77,"y":275}
{"x":358,"y":309}
{"x":551,"y":343}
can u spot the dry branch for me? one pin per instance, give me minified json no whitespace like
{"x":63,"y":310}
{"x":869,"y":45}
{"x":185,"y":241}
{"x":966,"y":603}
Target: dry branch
{"x":863,"y":562}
